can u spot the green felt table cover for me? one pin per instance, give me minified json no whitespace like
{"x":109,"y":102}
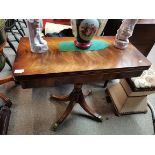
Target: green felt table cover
{"x":67,"y":46}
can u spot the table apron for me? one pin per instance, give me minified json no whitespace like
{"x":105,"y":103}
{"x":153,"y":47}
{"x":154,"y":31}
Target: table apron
{"x":71,"y":79}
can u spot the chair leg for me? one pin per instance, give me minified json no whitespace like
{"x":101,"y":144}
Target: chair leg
{"x":19,"y":31}
{"x":21,"y":27}
{"x":14,"y":36}
{"x":5,"y":113}
{"x":6,"y":100}
{"x":7,"y":60}
{"x":11,"y":45}
{"x":24,"y":22}
{"x":7,"y":79}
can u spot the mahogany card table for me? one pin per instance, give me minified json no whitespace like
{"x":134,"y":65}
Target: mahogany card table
{"x":55,"y":67}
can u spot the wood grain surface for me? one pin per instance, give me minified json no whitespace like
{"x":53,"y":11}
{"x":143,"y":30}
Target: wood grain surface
{"x":68,"y":67}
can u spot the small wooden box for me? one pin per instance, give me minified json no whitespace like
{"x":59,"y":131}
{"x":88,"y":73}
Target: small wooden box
{"x":125,"y":104}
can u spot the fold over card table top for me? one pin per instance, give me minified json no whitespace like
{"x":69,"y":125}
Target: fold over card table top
{"x":57,"y":67}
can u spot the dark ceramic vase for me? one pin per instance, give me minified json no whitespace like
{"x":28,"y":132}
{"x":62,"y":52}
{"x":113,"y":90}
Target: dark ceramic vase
{"x":85,"y":31}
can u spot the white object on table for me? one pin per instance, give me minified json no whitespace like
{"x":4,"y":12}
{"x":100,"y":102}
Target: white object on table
{"x":124,"y":32}
{"x":51,"y":27}
{"x":37,"y":43}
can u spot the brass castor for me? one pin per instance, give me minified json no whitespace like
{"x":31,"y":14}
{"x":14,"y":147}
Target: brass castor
{"x":99,"y":118}
{"x":54,"y":126}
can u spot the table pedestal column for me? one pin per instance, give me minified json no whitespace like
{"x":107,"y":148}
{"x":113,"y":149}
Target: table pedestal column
{"x":76,"y":96}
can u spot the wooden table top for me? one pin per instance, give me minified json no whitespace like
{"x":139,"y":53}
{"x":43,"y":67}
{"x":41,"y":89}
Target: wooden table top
{"x":56,"y":63}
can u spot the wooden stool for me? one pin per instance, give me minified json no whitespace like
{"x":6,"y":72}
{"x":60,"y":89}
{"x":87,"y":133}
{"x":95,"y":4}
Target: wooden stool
{"x":127,"y":98}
